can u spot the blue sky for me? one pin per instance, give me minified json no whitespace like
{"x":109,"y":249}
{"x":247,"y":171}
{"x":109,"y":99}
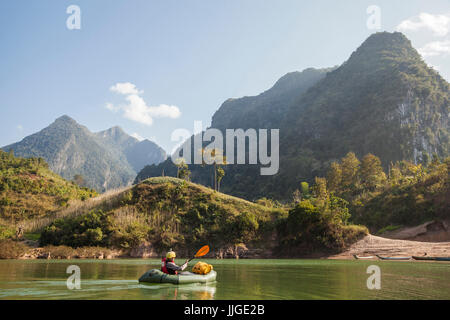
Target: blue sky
{"x":179,"y":59}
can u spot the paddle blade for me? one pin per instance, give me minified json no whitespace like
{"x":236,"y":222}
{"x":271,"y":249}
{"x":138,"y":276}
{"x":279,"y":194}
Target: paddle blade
{"x":203,"y":250}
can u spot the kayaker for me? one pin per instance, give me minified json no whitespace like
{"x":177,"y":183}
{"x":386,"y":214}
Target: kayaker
{"x":169,"y":266}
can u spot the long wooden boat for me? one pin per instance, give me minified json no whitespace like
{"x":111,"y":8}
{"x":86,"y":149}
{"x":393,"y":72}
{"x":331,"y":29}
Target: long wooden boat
{"x":394,"y":258}
{"x":442,"y":258}
{"x":359,"y":257}
{"x":423,"y":258}
{"x":431,"y":258}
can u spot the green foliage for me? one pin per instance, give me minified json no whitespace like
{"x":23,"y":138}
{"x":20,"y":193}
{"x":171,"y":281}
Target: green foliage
{"x":387,"y":229}
{"x":182,"y":169}
{"x":32,"y":236}
{"x":6,"y":232}
{"x":28,"y":189}
{"x":304,"y":187}
{"x":411,"y":194}
{"x":130,"y":236}
{"x":91,"y":229}
{"x":350,"y":167}
{"x":245,"y":227}
{"x":269,"y":203}
{"x":169,"y":212}
{"x":318,"y":227}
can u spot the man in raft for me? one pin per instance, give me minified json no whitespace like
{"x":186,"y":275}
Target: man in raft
{"x":169,"y":266}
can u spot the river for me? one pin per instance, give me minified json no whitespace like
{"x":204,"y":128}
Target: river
{"x":236,"y":279}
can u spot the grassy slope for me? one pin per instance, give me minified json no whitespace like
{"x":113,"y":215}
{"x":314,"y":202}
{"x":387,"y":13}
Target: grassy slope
{"x":167,"y":212}
{"x":234,"y":204}
{"x":29,"y":190}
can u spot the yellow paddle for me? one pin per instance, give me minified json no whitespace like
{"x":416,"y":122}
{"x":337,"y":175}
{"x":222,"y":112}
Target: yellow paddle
{"x":200,"y":253}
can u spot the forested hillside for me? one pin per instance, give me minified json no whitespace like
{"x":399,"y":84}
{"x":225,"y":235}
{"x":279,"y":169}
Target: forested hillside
{"x":383,"y":100}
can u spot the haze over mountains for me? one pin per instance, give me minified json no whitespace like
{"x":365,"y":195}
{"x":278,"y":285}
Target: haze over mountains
{"x":108,"y":159}
{"x":383,"y":100}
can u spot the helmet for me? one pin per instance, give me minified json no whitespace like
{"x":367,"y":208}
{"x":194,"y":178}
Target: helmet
{"x":170,"y":255}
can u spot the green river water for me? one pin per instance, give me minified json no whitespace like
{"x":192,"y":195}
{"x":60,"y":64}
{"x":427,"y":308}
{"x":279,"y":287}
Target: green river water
{"x":236,"y":279}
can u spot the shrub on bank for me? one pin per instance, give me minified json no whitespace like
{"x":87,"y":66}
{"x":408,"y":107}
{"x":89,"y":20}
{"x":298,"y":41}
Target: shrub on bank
{"x":318,"y":227}
{"x":91,"y":229}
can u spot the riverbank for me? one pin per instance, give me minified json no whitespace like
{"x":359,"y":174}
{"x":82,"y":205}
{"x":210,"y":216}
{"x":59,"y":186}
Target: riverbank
{"x":373,"y":245}
{"x":431,"y":231}
{"x":370,"y":245}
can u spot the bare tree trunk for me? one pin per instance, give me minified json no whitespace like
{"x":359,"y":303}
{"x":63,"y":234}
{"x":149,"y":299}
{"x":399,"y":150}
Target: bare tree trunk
{"x":215,"y":177}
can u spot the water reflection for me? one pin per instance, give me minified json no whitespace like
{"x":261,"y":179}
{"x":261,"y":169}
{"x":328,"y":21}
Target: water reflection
{"x":181,"y":292}
{"x":242,"y":279}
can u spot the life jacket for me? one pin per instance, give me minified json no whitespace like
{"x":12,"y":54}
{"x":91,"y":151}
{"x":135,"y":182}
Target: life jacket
{"x":164,"y":267}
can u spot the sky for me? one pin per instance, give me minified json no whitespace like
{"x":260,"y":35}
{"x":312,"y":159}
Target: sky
{"x":151,"y":67}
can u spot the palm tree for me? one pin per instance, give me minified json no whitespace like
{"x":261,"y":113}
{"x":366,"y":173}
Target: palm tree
{"x":182,"y":168}
{"x":217,"y":158}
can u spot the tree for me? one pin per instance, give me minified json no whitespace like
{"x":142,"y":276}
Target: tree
{"x":245,"y":226}
{"x":182,"y":169}
{"x":296,"y":196}
{"x":302,"y":218}
{"x":370,"y":172}
{"x":334,"y":177}
{"x":339,"y":209}
{"x":350,"y":165}
{"x":216,"y":157}
{"x":395,"y":174}
{"x":304,"y":189}
{"x":185,"y":173}
{"x":220,"y":175}
{"x":320,"y":188}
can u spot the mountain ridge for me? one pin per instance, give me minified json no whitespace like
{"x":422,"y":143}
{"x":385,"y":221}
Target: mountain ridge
{"x":105,"y":159}
{"x":383,"y":100}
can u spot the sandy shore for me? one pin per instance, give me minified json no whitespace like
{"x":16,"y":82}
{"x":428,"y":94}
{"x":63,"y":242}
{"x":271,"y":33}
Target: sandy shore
{"x":372,"y":245}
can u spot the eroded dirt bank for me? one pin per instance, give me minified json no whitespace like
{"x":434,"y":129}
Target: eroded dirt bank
{"x":432,"y":231}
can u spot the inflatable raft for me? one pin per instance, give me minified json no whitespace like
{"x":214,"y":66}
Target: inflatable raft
{"x":157,"y":276}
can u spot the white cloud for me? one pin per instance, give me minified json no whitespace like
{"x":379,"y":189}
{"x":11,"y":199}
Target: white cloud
{"x":137,"y":136}
{"x":20,"y":127}
{"x":435,"y":48}
{"x":125,"y":88}
{"x":439,"y":24}
{"x":111,"y":107}
{"x":136,"y":109}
